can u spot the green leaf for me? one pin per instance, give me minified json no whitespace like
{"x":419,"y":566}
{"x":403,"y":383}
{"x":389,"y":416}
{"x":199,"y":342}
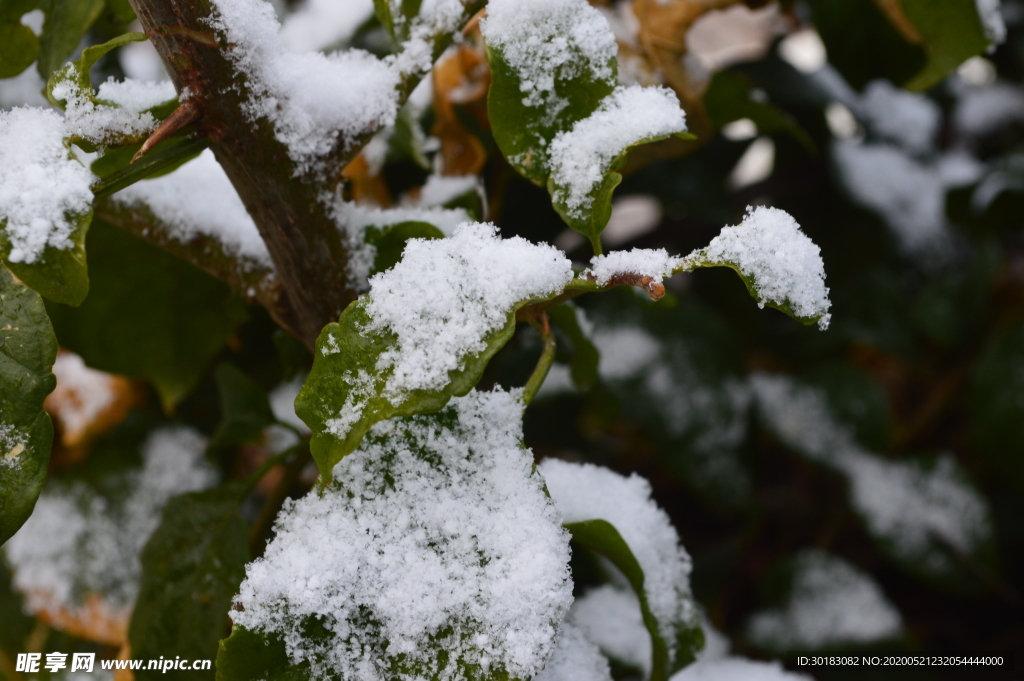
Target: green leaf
{"x":257,"y":656}
{"x":390,"y":241}
{"x":245,"y":409}
{"x":728,"y":99}
{"x":952,"y":33}
{"x":191,"y":568}
{"x":61,"y":275}
{"x":27,"y":350}
{"x":345,"y":351}
{"x":78,"y":70}
{"x":19,"y":47}
{"x":585,"y":356}
{"x":523,"y":132}
{"x":996,"y":408}
{"x":67,"y":22}
{"x":149,"y":315}
{"x":397,"y":16}
{"x":601,"y":537}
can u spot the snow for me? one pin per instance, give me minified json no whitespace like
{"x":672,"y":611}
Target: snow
{"x":282,"y":403}
{"x":311,"y":99}
{"x":198,"y":199}
{"x":12,"y":445}
{"x":25,"y":89}
{"x":832,"y":604}
{"x":440,"y":189}
{"x":611,"y":618}
{"x":81,"y":396}
{"x":907,"y":506}
{"x":586,"y":492}
{"x":320,"y":24}
{"x":93,"y":542}
{"x":911,"y":120}
{"x":625,"y":351}
{"x":42,"y":187}
{"x":580,"y":157}
{"x":646,"y":262}
{"x":988,"y":109}
{"x":550,"y":41}
{"x":353,"y":220}
{"x":436,"y":524}
{"x":737,"y":669}
{"x":575,"y":659}
{"x":99,"y":123}
{"x":784,"y":265}
{"x":992,"y":20}
{"x":447,"y":295}
{"x":909,"y":194}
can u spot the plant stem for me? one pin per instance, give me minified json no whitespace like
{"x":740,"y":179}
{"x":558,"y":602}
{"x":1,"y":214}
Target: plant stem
{"x":261,"y":526}
{"x":547,"y":356}
{"x":148,"y":165}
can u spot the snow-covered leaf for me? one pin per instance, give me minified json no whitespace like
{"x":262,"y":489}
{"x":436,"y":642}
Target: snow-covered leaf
{"x":27,"y":351}
{"x":554,"y":108}
{"x":435,"y":553}
{"x":615,"y":517}
{"x":423,"y":334}
{"x":191,"y":568}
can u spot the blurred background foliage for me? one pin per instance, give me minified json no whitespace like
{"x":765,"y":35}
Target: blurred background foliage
{"x":748,"y":425}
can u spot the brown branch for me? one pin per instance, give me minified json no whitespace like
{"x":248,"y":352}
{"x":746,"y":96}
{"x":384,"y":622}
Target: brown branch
{"x":304,"y":242}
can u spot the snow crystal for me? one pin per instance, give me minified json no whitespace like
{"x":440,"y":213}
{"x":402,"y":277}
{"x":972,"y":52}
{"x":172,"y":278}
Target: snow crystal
{"x":611,"y":618}
{"x":92,"y":542}
{"x":353,"y":220}
{"x":98,"y":122}
{"x":832,"y":604}
{"x":581,"y":157}
{"x":984,"y":110}
{"x":575,"y":659}
{"x":646,"y":262}
{"x":42,"y":187}
{"x":437,"y":534}
{"x":992,"y":22}
{"x":785,"y":265}
{"x":893,"y":114}
{"x":199,"y":199}
{"x":447,"y":295}
{"x":547,"y":41}
{"x":909,"y":194}
{"x":737,"y":669}
{"x":320,"y":24}
{"x":586,"y":492}
{"x":12,"y":445}
{"x":310,"y":98}
{"x":902,"y":503}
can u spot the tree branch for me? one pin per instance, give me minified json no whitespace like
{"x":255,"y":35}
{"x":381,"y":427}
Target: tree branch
{"x":304,"y":242}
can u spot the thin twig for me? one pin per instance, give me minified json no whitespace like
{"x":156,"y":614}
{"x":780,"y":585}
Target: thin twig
{"x":547,"y":356}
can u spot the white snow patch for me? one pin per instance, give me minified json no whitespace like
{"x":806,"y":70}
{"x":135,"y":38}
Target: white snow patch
{"x":199,"y":199}
{"x":784,"y":264}
{"x":447,"y":295}
{"x":645,"y":262}
{"x":909,"y":119}
{"x":436,"y":523}
{"x":580,"y":157}
{"x":990,"y":13}
{"x":737,"y":669}
{"x":611,"y":618}
{"x":320,"y":24}
{"x":136,"y":95}
{"x":98,"y":122}
{"x":832,"y":603}
{"x":282,"y":403}
{"x":92,"y":542}
{"x":12,"y":445}
{"x":440,"y":189}
{"x":81,"y":393}
{"x":587,"y":492}
{"x":575,"y":659}
{"x":625,"y":351}
{"x":42,"y":187}
{"x":984,"y":110}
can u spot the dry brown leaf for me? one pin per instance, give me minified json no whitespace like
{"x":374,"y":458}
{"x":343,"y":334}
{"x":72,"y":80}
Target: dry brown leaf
{"x":462,"y":80}
{"x":93,"y":620}
{"x":365,"y":183}
{"x":125,"y":653}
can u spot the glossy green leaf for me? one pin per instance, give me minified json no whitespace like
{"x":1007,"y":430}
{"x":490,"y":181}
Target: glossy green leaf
{"x":191,"y":568}
{"x":601,"y":537}
{"x":390,"y":241}
{"x":585,"y":356}
{"x":27,"y":351}
{"x":149,"y":315}
{"x":345,"y":351}
{"x":729,"y":99}
{"x":67,"y":22}
{"x":952,"y":33}
{"x":245,"y":409}
{"x":60,"y":275}
{"x":523,"y":132}
{"x":78,"y":70}
{"x":19,"y":47}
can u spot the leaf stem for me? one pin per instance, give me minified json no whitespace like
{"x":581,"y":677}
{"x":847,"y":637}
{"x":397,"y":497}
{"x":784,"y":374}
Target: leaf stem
{"x":547,"y":356}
